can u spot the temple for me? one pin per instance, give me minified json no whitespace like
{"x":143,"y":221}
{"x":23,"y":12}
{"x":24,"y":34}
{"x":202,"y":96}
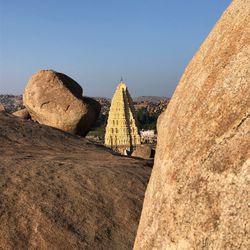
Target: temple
{"x":122,"y":130}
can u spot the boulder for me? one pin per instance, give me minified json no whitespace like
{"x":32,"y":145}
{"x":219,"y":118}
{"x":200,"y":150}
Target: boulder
{"x":88,"y":120}
{"x":143,"y":151}
{"x":22,"y":113}
{"x":54,"y":99}
{"x":2,"y":107}
{"x":198,"y":193}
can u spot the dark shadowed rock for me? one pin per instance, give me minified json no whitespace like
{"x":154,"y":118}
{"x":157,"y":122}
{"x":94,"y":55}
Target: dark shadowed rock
{"x":59,"y":191}
{"x":88,"y":120}
{"x":198,"y":194}
{"x":54,"y":99}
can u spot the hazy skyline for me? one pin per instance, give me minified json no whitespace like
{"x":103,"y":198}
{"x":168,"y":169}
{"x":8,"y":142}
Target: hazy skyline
{"x":148,"y":43}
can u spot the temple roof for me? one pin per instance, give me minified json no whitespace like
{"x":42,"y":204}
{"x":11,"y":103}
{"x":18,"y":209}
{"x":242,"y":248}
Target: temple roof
{"x":121,"y":129}
{"x":122,"y":84}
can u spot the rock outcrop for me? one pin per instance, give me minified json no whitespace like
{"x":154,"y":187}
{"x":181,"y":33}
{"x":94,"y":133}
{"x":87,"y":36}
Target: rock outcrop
{"x":59,"y":191}
{"x":22,"y":113}
{"x":198,"y":194}
{"x":54,"y":99}
{"x":143,"y":151}
{"x":121,"y":130}
{"x":2,"y":107}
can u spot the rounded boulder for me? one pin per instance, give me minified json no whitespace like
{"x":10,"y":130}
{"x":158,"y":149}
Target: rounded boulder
{"x":143,"y":151}
{"x":55,"y":99}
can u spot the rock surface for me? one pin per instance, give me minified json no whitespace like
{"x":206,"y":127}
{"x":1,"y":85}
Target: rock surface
{"x":198,"y":194}
{"x":22,"y":113}
{"x":54,"y":99}
{"x":2,"y":107}
{"x":58,"y":191}
{"x":143,"y":151}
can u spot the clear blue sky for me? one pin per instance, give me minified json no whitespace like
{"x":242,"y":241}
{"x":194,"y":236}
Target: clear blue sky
{"x":148,"y":42}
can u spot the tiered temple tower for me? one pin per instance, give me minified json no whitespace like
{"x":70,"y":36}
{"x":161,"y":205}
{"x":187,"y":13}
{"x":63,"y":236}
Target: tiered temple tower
{"x":121,"y":130}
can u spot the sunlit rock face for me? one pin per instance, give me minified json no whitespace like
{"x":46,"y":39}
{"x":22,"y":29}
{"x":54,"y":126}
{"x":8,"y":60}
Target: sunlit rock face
{"x":60,"y":191}
{"x":54,"y":99}
{"x":2,"y":107}
{"x":122,"y":131}
{"x":198,"y":194}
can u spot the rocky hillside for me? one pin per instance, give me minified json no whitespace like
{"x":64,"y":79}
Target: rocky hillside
{"x":150,"y":99}
{"x":198,"y":194}
{"x":153,"y":104}
{"x":59,"y":191}
{"x":12,"y":103}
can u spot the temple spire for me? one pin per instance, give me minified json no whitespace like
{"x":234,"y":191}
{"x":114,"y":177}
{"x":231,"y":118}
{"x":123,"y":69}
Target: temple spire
{"x":121,"y":79}
{"x":122,"y":132}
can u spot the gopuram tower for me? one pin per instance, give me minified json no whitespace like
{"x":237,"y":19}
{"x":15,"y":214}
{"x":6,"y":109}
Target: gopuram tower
{"x":121,"y":130}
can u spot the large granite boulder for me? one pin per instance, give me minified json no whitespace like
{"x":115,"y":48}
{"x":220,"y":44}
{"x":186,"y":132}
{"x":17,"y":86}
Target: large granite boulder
{"x":54,"y":99}
{"x":198,"y":194}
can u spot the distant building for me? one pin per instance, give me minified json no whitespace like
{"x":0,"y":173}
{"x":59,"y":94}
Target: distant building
{"x":148,"y":136}
{"x":122,"y":132}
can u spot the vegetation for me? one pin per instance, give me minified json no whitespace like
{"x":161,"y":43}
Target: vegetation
{"x":99,"y":128}
{"x":146,"y":120}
